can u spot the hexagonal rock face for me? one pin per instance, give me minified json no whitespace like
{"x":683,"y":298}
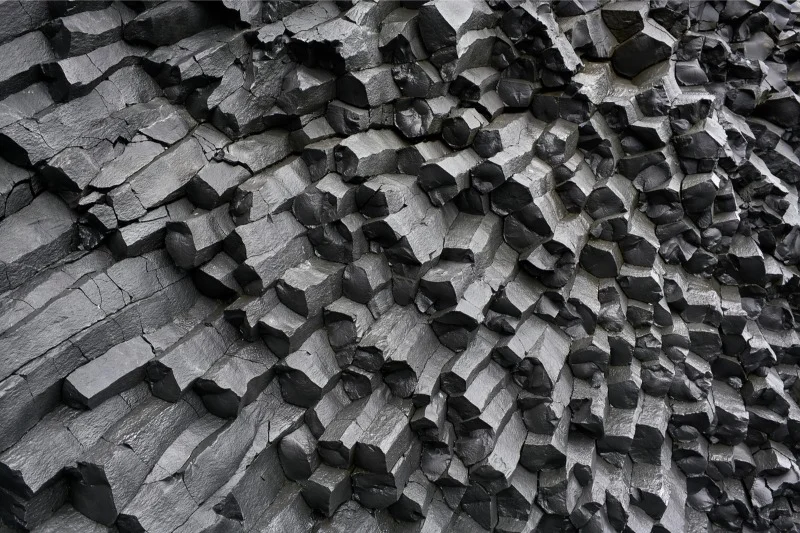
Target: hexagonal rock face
{"x":650,"y":46}
{"x":381,"y":266}
{"x":782,"y":109}
{"x":625,"y":19}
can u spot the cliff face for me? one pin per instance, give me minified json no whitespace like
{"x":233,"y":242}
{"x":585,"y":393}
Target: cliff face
{"x":399,"y":266}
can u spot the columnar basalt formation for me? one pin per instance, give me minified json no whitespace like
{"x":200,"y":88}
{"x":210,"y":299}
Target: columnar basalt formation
{"x":361,"y":265}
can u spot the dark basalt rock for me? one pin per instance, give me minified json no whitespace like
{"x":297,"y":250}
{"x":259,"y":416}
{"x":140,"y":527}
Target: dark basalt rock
{"x":168,"y":23}
{"x":377,"y":266}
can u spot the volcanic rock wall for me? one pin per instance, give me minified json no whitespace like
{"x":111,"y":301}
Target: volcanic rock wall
{"x":397,"y":266}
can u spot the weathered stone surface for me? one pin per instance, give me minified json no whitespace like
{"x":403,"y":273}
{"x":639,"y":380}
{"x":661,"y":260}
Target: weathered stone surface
{"x":380,"y":266}
{"x":236,"y":379}
{"x":76,"y":76}
{"x":34,"y":238}
{"x":21,"y":60}
{"x":19,"y":18}
{"x":82,"y":32}
{"x":118,"y":369}
{"x":195,"y":240}
{"x":167,"y":23}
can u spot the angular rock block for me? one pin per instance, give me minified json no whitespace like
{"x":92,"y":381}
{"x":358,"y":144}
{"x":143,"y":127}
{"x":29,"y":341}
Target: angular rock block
{"x":34,"y":238}
{"x":119,"y":369}
{"x":167,"y":24}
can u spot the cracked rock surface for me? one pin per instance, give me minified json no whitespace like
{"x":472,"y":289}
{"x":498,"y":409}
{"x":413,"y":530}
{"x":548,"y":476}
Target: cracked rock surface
{"x":399,"y":266}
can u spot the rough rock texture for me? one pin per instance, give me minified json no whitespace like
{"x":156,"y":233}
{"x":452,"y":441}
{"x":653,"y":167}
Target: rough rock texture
{"x":361,"y":266}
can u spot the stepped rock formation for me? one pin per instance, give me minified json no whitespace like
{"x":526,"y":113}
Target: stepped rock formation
{"x":399,"y":266}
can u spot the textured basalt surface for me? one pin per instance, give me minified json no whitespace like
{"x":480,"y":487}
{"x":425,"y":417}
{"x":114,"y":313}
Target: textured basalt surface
{"x":390,"y":266}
